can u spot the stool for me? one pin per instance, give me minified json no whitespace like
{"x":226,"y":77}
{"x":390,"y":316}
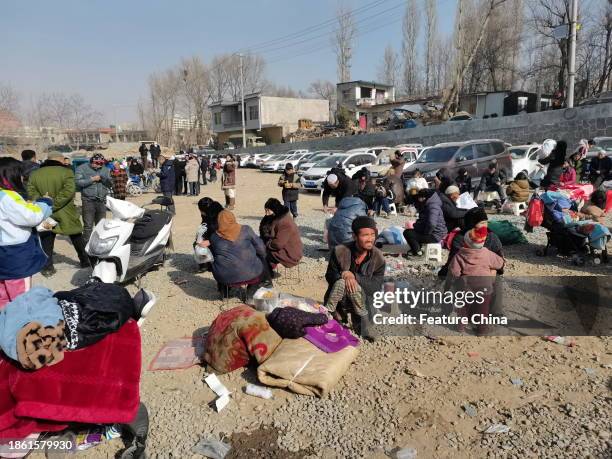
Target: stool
{"x":514,"y":208}
{"x":291,"y":276}
{"x":392,"y":209}
{"x":433,"y":252}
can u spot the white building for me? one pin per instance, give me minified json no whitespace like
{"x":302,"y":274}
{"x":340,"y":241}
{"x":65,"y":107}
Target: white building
{"x":181,"y":123}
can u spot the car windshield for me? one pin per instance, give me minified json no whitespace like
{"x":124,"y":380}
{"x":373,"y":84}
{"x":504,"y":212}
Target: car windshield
{"x":518,"y":153}
{"x":437,"y":155}
{"x":331,"y":161}
{"x":317,"y":158}
{"x":605,"y":144}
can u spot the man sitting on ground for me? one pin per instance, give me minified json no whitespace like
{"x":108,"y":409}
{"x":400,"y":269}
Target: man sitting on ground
{"x":356,"y":270}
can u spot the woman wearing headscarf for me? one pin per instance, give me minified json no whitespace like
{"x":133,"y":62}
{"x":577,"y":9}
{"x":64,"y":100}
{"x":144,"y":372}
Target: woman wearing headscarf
{"x":283,"y":244}
{"x":119,"y":178}
{"x":239,"y":255}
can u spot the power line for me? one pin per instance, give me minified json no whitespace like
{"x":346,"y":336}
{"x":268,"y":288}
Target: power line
{"x":312,"y":28}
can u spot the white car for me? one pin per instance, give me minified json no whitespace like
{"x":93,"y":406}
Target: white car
{"x":525,"y":159}
{"x":263,"y":158}
{"x":308,"y":161}
{"x":371,"y":150}
{"x":312,"y":179}
{"x":293,"y":159}
{"x":275,"y":163}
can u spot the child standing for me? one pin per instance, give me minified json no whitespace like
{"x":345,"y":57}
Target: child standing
{"x":384,"y":196}
{"x":478,"y":265}
{"x":290,"y":183}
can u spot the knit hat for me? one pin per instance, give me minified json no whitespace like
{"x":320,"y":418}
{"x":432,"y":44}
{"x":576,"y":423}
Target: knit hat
{"x":98,"y":158}
{"x":363,"y":222}
{"x":452,"y":189}
{"x":332,"y":178}
{"x":476,"y":237}
{"x":474,"y":216}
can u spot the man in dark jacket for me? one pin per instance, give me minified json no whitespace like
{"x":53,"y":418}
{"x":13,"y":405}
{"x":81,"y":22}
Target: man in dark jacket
{"x":180,"y":175}
{"x":600,"y":169}
{"x":339,"y":185}
{"x":28,"y":163}
{"x":204,"y":164}
{"x":290,"y":183}
{"x":492,"y":180}
{"x":355,"y":272}
{"x":555,"y":164}
{"x":167,"y":181}
{"x":95,"y":183}
{"x":144,"y":151}
{"x":430,"y":227}
{"x":464,"y":181}
{"x":155,"y":150}
{"x":453,"y":216}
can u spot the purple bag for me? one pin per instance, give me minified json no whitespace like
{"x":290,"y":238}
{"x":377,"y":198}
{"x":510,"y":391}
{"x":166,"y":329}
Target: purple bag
{"x":331,"y":337}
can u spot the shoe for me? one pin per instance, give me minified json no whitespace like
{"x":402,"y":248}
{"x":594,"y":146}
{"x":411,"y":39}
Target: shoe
{"x":143,"y":303}
{"x":49,"y":271}
{"x":275,"y":275}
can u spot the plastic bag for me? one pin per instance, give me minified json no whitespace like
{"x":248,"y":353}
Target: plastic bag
{"x":46,"y":225}
{"x":392,"y":235}
{"x":123,"y":210}
{"x":466,"y":201}
{"x":202,"y":255}
{"x":547,"y":147}
{"x":212,"y":448}
{"x":535,"y":212}
{"x":266,"y":300}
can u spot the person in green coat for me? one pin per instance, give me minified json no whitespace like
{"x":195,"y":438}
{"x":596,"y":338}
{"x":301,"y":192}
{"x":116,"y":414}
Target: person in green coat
{"x":56,"y":181}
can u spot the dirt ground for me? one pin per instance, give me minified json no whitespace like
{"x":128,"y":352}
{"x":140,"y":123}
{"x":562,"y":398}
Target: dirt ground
{"x":400,"y":393}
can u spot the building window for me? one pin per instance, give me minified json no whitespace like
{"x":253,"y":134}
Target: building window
{"x":254,"y":112}
{"x":346,"y":94}
{"x":366,"y":93}
{"x":217,"y":117}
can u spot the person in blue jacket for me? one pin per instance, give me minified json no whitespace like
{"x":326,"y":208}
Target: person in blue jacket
{"x":167,"y":179}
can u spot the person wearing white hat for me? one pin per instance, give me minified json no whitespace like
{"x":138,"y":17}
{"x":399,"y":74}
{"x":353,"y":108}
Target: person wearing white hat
{"x":453,"y":216}
{"x":339,"y":185}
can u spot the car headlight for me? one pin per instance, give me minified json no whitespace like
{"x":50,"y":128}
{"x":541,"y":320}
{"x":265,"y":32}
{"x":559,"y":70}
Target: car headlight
{"x":98,"y":246}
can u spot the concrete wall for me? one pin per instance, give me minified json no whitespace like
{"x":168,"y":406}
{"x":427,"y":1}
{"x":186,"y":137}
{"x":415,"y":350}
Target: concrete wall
{"x":286,"y":111}
{"x":569,"y":124}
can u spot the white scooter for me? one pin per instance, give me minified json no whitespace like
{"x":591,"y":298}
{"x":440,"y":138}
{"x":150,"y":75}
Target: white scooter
{"x":131,"y":243}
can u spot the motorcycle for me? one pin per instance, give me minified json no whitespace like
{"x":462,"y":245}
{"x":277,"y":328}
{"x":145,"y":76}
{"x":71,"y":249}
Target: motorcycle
{"x":132,"y":242}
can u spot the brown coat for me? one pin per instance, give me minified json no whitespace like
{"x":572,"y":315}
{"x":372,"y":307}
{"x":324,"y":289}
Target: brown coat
{"x":398,"y":166}
{"x":286,"y":243}
{"x":229,"y":175}
{"x":518,"y":191}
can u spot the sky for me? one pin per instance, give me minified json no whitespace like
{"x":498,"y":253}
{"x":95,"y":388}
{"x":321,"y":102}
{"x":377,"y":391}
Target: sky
{"x":105,"y":50}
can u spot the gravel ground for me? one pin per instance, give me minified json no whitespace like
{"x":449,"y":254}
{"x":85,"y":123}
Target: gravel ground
{"x":400,"y":393}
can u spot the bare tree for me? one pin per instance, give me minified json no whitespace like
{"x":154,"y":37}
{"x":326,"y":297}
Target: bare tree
{"x":253,"y":70}
{"x":410,"y":34}
{"x":9,"y":99}
{"x":388,"y":72}
{"x":196,"y":95}
{"x":343,"y":41}
{"x":164,"y":92}
{"x":466,"y":55}
{"x":325,"y":90}
{"x":431,"y":30}
{"x":219,"y":78}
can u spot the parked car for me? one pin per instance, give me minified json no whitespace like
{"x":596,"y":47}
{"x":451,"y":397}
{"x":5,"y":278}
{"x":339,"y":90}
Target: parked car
{"x":371,"y":150}
{"x":461,"y":116}
{"x":60,"y":148}
{"x":263,"y":158}
{"x":228,"y":146}
{"x":601,"y":98}
{"x":308,"y":161}
{"x":273,"y":163}
{"x":525,"y":159}
{"x":473,"y":155}
{"x":604,"y":143}
{"x":312,"y":179}
{"x":383,"y":162}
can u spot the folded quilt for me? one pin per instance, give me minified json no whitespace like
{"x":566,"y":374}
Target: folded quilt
{"x":301,"y":367}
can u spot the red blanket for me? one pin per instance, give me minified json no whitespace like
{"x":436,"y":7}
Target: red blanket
{"x":98,"y":384}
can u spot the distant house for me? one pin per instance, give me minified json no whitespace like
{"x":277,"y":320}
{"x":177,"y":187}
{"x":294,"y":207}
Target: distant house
{"x":271,"y":118}
{"x":359,"y":96}
{"x":502,"y":103}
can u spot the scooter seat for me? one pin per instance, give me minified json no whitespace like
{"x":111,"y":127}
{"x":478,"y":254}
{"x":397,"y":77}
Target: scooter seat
{"x":150,"y":224}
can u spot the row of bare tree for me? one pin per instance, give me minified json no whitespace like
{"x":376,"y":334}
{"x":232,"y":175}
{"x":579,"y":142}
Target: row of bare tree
{"x":501,"y":44}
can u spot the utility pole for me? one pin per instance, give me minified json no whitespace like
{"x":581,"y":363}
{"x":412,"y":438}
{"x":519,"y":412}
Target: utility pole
{"x":242,"y":102}
{"x":572,"y":54}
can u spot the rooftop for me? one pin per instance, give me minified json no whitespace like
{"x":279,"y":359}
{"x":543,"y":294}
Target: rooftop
{"x":367,"y":83}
